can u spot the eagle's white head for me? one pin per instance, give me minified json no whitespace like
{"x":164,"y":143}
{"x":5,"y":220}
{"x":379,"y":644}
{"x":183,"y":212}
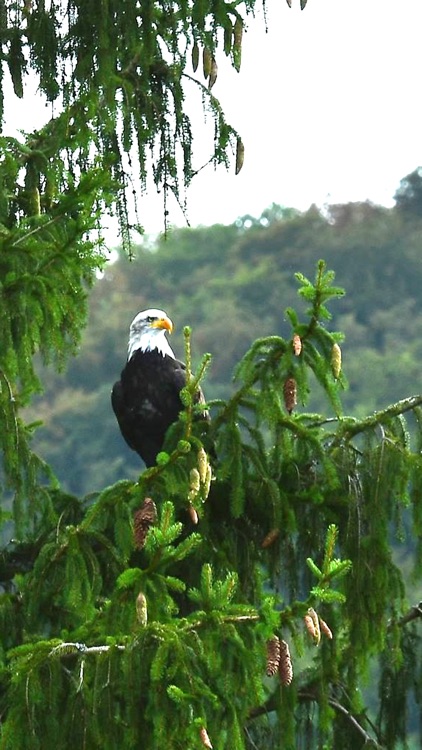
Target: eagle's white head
{"x":148,"y":333}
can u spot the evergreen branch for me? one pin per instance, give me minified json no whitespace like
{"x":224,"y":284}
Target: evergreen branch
{"x":39,"y":228}
{"x":412,"y":614}
{"x":223,"y":620}
{"x":317,"y":293}
{"x":68,"y":649}
{"x":12,"y":401}
{"x":349,"y":429}
{"x":307,"y":695}
{"x":250,"y":740}
{"x":304,"y":695}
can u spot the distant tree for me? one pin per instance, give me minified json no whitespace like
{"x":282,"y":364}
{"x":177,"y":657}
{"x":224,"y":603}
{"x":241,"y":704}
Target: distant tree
{"x":188,"y":608}
{"x":408,"y":197}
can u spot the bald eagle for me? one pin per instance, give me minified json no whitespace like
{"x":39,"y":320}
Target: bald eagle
{"x":146,"y":399}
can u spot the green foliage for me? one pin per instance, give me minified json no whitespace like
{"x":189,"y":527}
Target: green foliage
{"x":295,"y":524}
{"x":117,"y":74}
{"x":47,"y":263}
{"x":273,"y":526}
{"x":408,"y":197}
{"x":231,"y":284}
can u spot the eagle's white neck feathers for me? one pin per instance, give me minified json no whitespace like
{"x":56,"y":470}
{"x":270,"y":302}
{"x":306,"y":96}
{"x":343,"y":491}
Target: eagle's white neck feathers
{"x":148,"y":333}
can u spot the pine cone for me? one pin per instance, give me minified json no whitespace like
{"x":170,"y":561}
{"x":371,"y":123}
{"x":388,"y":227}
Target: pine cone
{"x":194,"y":484}
{"x":309,"y":625}
{"x":227,"y":42}
{"x":273,"y":656}
{"x":286,"y":667}
{"x":290,"y":394}
{"x":195,"y":56}
{"x":202,"y":465}
{"x":206,"y":62}
{"x":270,"y":538}
{"x":141,"y":609}
{"x":205,"y":738}
{"x":240,"y":155}
{"x":336,"y":360}
{"x":194,"y":480}
{"x":213,"y":73}
{"x":237,"y":43}
{"x":144,"y":518}
{"x":312,"y":621}
{"x":297,"y":344}
{"x":325,"y":629}
{"x":193,"y":515}
{"x":207,"y":484}
{"x":238,"y":32}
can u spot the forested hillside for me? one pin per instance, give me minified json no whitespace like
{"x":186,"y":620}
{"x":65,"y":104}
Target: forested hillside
{"x":231,"y":284}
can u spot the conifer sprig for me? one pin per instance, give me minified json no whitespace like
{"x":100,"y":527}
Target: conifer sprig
{"x":330,"y":570}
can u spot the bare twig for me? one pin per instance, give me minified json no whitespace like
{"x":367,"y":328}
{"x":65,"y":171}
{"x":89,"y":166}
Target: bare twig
{"x":414,"y":612}
{"x":306,"y":695}
{"x":65,"y":649}
{"x":370,"y":741}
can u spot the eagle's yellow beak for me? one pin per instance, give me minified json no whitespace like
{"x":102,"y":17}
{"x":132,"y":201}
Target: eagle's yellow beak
{"x":163,"y":323}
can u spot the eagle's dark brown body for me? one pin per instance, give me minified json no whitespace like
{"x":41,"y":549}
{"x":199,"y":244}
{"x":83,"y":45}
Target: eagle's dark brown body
{"x":146,"y":401}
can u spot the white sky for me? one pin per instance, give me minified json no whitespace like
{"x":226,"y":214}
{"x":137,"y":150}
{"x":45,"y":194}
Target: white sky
{"x":328,"y":104}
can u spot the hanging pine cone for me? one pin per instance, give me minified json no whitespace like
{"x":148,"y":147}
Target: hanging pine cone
{"x":309,"y":625}
{"x":290,"y":394}
{"x":336,"y":360}
{"x":213,"y":73}
{"x":270,"y":538}
{"x":205,"y":738}
{"x":297,"y":344}
{"x":206,"y":62}
{"x":237,"y":43}
{"x":34,"y":201}
{"x":227,"y":40}
{"x":142,"y":609}
{"x":286,"y":667}
{"x":273,"y":655}
{"x":195,"y":56}
{"x":194,"y":484}
{"x":240,"y":155}
{"x":207,"y":483}
{"x":193,"y":515}
{"x":144,"y":518}
{"x":325,"y":629}
{"x":312,"y":621}
{"x":203,"y":464}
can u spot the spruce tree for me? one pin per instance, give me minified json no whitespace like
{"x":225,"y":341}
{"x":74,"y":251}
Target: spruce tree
{"x":245,"y":591}
{"x":235,"y":598}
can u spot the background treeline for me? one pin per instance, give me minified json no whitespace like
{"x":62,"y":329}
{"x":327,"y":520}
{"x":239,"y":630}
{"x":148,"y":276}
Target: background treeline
{"x":231,"y":284}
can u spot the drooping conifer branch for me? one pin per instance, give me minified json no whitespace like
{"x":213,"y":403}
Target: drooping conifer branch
{"x":414,"y":613}
{"x":120,"y":105}
{"x":303,"y":695}
{"x":349,"y":428}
